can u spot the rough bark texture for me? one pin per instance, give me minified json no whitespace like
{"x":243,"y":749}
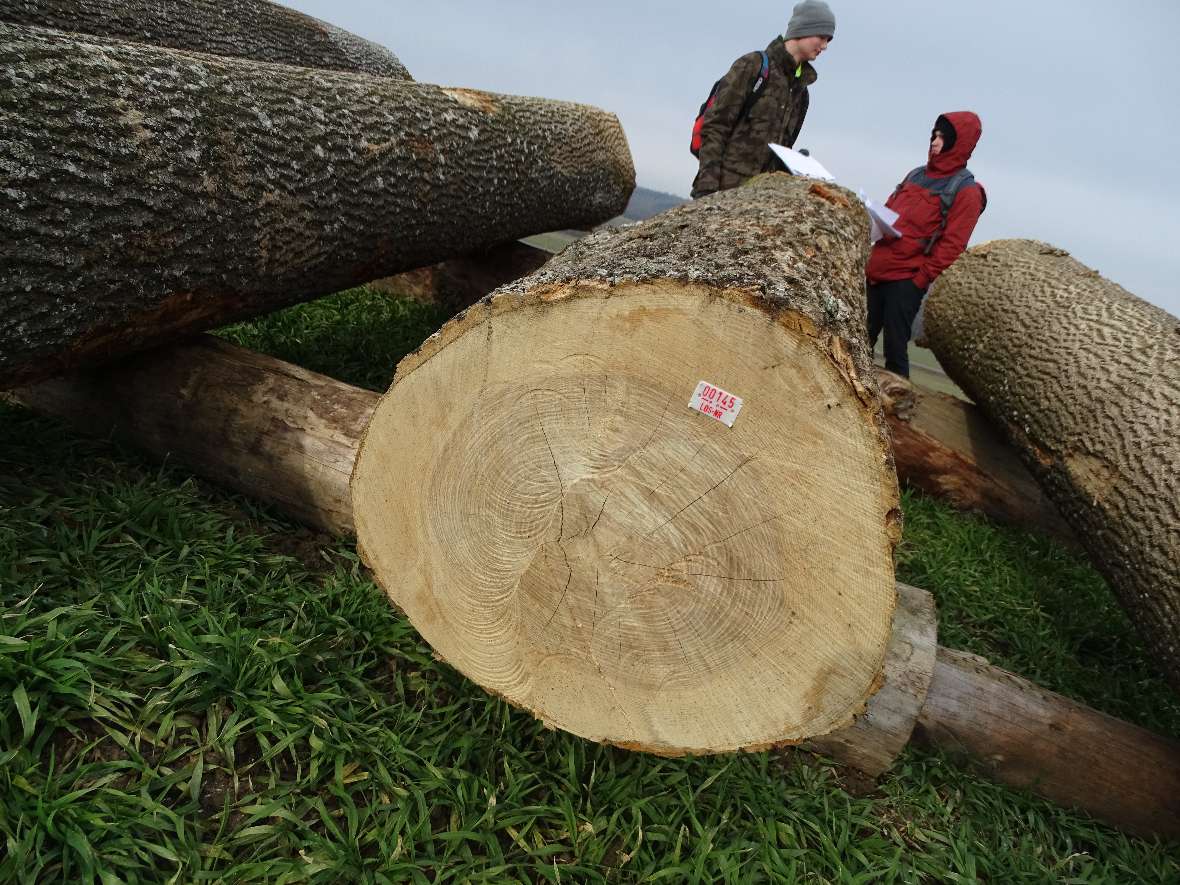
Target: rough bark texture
{"x":1030,"y":738}
{"x":257,"y":435}
{"x":457,"y":283}
{"x":150,"y":193}
{"x":258,"y":425}
{"x":625,"y":568}
{"x":253,"y":29}
{"x":1084,"y":379}
{"x":944,"y":447}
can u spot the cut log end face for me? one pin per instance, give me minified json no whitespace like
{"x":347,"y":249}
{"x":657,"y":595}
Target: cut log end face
{"x":555,"y":520}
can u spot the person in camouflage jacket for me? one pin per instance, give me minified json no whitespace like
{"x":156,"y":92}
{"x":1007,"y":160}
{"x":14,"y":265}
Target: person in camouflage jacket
{"x":734,"y":146}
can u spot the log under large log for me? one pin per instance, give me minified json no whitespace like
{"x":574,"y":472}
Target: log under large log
{"x":535,"y":492}
{"x":150,"y":193}
{"x":945,"y":447}
{"x":1084,"y":380}
{"x":168,"y":402}
{"x":254,"y":29}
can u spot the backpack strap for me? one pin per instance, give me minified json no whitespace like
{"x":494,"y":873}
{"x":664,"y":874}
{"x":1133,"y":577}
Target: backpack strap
{"x":756,"y":88}
{"x":946,"y":189}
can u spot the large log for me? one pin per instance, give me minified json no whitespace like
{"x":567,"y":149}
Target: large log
{"x":252,"y":29}
{"x":1084,"y":379}
{"x":537,"y":496}
{"x":252,"y":438}
{"x":150,"y":193}
{"x":945,"y":447}
{"x":1018,"y":733}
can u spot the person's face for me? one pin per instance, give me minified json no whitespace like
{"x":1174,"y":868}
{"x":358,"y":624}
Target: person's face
{"x":936,"y":144}
{"x":811,"y":47}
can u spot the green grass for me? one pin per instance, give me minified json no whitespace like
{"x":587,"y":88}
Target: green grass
{"x":193,"y":690}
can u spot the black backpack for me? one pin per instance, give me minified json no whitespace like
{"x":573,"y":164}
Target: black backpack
{"x":946,"y":189}
{"x":755,"y":91}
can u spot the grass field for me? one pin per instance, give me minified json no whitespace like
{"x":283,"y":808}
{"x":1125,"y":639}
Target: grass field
{"x":194,"y":690}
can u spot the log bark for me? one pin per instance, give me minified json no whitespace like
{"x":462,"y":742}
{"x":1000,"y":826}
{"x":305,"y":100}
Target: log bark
{"x":151,"y":194}
{"x":458,"y":283}
{"x":253,"y":439}
{"x":1022,"y":735}
{"x":1084,"y":379}
{"x":255,"y":424}
{"x":253,"y":29}
{"x":624,"y":567}
{"x":945,"y":448}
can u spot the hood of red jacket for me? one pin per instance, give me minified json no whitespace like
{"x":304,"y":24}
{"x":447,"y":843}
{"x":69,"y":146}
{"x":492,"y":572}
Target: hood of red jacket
{"x":967,"y":131}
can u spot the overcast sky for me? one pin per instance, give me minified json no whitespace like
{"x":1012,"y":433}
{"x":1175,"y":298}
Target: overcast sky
{"x":1081,"y":140}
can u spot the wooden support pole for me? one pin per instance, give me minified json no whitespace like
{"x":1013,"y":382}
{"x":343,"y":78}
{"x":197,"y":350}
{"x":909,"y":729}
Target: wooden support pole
{"x":1020,"y":734}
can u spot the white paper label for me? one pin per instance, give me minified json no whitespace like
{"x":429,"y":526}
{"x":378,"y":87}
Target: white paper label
{"x":716,"y":403}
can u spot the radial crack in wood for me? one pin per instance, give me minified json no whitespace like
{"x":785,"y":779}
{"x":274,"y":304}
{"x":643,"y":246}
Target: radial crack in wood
{"x":536,"y":494}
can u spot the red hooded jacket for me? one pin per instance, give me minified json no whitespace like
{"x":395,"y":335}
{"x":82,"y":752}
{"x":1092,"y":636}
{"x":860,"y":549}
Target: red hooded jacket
{"x":921,"y":213}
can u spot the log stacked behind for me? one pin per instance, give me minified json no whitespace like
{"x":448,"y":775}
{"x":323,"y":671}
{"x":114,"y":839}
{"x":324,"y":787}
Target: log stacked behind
{"x":151,"y":193}
{"x":945,"y":447}
{"x":1084,"y":379}
{"x":254,"y":29}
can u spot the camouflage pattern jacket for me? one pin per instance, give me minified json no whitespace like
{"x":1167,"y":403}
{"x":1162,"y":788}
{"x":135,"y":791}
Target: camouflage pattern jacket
{"x":733,"y":149}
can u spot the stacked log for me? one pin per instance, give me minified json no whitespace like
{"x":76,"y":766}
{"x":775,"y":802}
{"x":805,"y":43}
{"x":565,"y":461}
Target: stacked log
{"x":945,"y":448}
{"x":151,"y":193}
{"x":253,"y":29}
{"x":1084,"y":379}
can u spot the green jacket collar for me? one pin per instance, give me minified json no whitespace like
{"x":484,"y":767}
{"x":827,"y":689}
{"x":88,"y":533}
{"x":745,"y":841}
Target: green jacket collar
{"x":780,"y":58}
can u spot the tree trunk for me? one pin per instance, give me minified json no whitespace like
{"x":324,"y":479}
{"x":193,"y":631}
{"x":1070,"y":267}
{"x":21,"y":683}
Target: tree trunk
{"x":150,"y":194}
{"x":252,"y":29}
{"x":945,"y":448}
{"x":458,"y":283}
{"x":1084,"y":378}
{"x":1029,"y":738}
{"x":536,"y":494}
{"x":258,"y":425}
{"x":289,"y":437}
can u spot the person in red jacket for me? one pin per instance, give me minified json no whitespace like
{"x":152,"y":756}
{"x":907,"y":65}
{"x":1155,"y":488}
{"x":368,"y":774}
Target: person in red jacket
{"x":938,"y":205}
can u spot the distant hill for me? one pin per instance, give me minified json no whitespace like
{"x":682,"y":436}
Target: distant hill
{"x":646,"y":203}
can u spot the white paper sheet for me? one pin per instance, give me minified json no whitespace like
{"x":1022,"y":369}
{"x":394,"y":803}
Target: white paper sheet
{"x":801,"y":164}
{"x":883,"y":220}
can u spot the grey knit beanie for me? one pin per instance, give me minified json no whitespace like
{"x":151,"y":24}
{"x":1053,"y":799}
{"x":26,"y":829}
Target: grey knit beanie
{"x":811,"y":18}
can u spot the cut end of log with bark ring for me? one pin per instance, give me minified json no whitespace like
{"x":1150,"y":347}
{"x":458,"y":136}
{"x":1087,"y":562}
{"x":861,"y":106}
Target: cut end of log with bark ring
{"x":536,"y":494}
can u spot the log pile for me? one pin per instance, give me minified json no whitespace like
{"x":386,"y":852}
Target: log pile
{"x":153,"y":193}
{"x":165,"y":401}
{"x":633,"y":566}
{"x":1084,"y":380}
{"x":1014,"y":731}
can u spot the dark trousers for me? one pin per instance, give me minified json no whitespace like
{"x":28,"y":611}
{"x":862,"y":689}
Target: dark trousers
{"x":892,"y":307}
